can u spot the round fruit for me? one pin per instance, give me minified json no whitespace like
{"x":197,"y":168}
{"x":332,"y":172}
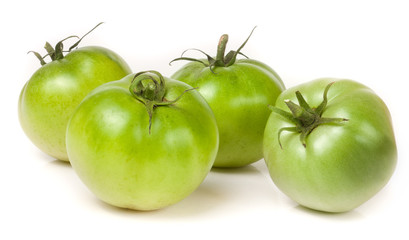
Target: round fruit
{"x":143,"y":142}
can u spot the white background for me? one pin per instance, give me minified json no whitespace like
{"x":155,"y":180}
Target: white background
{"x":367,"y":41}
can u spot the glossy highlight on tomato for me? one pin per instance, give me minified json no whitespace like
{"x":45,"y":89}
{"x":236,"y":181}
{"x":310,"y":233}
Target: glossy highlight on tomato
{"x":335,"y":149}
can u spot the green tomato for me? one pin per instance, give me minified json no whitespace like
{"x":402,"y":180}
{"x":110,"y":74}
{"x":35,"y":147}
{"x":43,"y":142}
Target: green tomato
{"x":334,"y":155}
{"x":238,"y":91}
{"x":53,"y":92}
{"x":143,"y":142}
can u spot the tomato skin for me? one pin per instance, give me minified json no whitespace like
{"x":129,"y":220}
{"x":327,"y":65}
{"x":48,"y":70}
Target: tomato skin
{"x":238,"y":95}
{"x":342,"y":165}
{"x":113,"y":153}
{"x":53,"y":92}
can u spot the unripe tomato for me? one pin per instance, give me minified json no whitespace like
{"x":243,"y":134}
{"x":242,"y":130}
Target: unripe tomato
{"x":335,"y":150}
{"x":52,"y":93}
{"x":144,"y":142}
{"x":239,"y":92}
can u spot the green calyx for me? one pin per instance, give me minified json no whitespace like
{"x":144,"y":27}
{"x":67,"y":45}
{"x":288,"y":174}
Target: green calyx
{"x":148,"y":87}
{"x":304,"y":117}
{"x":57,"y":52}
{"x":221,"y":59}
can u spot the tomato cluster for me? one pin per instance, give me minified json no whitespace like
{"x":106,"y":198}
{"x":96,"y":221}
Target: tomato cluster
{"x":144,"y":141}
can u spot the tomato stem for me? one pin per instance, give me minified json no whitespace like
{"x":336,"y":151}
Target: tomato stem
{"x":305,"y":118}
{"x":221,"y":60}
{"x":221,"y":48}
{"x":57,"y":52}
{"x":149,"y":88}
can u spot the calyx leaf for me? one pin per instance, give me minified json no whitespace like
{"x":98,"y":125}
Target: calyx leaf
{"x":149,"y":88}
{"x":305,"y":118}
{"x":57,"y":52}
{"x":221,"y":59}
